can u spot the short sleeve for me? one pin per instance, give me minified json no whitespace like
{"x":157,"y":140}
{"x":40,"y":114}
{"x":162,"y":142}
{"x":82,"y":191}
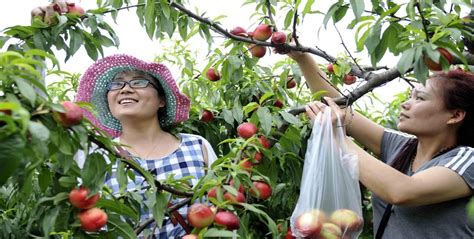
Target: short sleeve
{"x":211,"y":155}
{"x":463,"y":164}
{"x":392,"y":143}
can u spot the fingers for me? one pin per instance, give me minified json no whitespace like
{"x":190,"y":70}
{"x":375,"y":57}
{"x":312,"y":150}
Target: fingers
{"x":335,"y":108}
{"x":337,"y":112}
{"x":313,"y":108}
{"x":310,"y":113}
{"x":331,"y":102}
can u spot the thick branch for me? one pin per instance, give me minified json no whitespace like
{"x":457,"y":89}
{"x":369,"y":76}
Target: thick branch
{"x":374,"y":81}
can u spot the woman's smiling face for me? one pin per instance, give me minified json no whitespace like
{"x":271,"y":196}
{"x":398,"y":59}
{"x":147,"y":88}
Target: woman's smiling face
{"x":134,"y":103}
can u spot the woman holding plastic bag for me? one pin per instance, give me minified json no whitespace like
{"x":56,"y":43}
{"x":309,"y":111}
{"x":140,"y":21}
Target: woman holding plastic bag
{"x":423,"y":182}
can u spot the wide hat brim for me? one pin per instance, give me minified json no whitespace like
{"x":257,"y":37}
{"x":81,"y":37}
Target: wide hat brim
{"x":93,"y":89}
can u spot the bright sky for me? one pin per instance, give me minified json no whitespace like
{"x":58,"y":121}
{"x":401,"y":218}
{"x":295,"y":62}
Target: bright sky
{"x":135,"y":41}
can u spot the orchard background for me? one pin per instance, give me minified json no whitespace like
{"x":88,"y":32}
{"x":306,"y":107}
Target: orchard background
{"x":38,"y":170}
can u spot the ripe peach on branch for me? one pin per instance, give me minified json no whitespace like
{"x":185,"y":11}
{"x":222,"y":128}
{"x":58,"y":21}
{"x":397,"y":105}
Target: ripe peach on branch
{"x":200,"y":215}
{"x":72,"y":114}
{"x":79,"y":197}
{"x":92,"y":219}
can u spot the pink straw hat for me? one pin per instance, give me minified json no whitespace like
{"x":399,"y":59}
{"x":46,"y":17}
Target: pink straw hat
{"x":94,"y":83}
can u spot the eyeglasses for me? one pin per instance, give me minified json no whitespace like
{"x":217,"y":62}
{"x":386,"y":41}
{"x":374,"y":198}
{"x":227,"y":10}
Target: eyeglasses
{"x":134,"y":84}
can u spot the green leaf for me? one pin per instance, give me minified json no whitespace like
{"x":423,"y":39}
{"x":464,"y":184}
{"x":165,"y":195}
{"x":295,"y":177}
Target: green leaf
{"x":330,"y":13}
{"x":93,"y":172}
{"x":67,"y":182}
{"x":167,"y":25}
{"x":411,"y":9}
{"x":266,"y":96}
{"x":26,"y":90}
{"x":265,"y":118}
{"x":165,"y":8}
{"x":150,"y":18}
{"x":360,"y":41}
{"x":358,"y":7}
{"x":44,"y":179}
{"x":11,"y":155}
{"x":290,"y":118}
{"x":420,"y":69}
{"x":118,"y":207}
{"x":373,"y":39}
{"x":340,"y":13}
{"x":269,"y":221}
{"x":91,"y":49}
{"x":307,"y":7}
{"x":183,"y":27}
{"x":392,"y":37}
{"x":406,"y":61}
{"x":61,"y":197}
{"x":157,"y":203}
{"x":105,"y":41}
{"x":38,"y":130}
{"x":214,"y":232}
{"x":250,"y":107}
{"x":227,"y":115}
{"x":119,"y":228}
{"x":288,"y":18}
{"x":50,"y":219}
{"x":39,"y":41}
{"x":237,"y":111}
{"x":121,"y":176}
{"x":43,"y":54}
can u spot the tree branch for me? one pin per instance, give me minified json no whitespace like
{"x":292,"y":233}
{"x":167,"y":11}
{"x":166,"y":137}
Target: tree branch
{"x":295,"y":20}
{"x":425,"y":28}
{"x":170,"y":210}
{"x":374,"y":80}
{"x":345,"y":47}
{"x":269,"y":9}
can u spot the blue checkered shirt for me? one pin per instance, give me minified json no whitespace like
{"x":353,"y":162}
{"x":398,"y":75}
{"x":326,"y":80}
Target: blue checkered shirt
{"x":186,"y":160}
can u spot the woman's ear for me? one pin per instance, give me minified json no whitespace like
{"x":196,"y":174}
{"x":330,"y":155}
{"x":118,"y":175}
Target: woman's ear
{"x":457,"y":116}
{"x":162,"y":103}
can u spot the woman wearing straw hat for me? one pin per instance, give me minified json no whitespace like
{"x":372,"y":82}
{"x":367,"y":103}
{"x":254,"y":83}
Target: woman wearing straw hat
{"x":137,"y":103}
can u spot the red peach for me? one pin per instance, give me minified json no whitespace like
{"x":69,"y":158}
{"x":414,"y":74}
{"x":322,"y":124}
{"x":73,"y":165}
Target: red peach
{"x":262,"y":32}
{"x":92,"y":219}
{"x":200,"y":215}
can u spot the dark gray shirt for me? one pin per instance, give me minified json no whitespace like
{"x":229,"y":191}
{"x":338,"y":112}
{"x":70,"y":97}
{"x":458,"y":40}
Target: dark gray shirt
{"x":444,"y":220}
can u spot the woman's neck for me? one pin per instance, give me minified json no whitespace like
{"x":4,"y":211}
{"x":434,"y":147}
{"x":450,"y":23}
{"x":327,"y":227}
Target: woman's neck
{"x":141,"y":132}
{"x":148,"y":142}
{"x":430,"y":147}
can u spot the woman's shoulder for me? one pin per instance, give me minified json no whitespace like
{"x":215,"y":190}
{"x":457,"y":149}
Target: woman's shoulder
{"x":460,"y":159}
{"x":191,"y":137}
{"x":397,"y":134}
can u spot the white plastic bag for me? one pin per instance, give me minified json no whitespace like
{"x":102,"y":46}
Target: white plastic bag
{"x":329,"y":204}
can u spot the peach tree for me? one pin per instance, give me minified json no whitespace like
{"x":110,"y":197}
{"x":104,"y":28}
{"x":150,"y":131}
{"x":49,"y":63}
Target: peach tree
{"x":249,"y":111}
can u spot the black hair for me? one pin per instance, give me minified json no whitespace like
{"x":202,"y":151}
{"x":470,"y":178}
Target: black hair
{"x":458,"y":93}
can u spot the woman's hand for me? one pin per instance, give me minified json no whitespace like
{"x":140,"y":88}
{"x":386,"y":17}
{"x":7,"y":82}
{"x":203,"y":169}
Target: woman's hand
{"x":298,"y":56}
{"x":313,"y":108}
